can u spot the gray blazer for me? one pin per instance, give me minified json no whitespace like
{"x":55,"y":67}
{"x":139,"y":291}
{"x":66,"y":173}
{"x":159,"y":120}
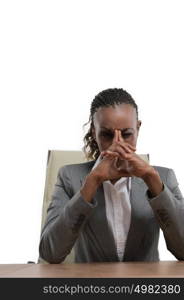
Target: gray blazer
{"x":71,"y":221}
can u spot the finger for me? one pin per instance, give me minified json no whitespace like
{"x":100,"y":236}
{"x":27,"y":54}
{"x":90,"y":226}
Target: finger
{"x":122,"y":154}
{"x":120,"y":138}
{"x":122,"y":170}
{"x":115,"y":163}
{"x":132,"y":148}
{"x":109,"y":153}
{"x":115,"y":139}
{"x":126,"y":148}
{"x":125,"y":172}
{"x":118,"y":165}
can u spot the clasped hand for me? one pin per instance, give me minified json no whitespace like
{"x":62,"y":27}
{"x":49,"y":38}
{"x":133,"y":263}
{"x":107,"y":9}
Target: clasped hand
{"x":120,"y":160}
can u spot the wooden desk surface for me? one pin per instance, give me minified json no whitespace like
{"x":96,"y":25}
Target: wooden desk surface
{"x":164,"y":269}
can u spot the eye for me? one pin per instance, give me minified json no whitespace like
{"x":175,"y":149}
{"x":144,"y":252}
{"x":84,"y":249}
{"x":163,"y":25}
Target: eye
{"x":107,"y":135}
{"x":126,"y":135}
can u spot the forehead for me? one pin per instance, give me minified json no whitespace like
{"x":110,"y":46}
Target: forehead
{"x":117,"y":117}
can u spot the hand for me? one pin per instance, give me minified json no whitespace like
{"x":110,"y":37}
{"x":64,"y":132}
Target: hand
{"x":120,"y":160}
{"x":112,"y":166}
{"x":126,"y":161}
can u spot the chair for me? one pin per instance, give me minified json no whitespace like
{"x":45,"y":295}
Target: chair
{"x":55,"y":160}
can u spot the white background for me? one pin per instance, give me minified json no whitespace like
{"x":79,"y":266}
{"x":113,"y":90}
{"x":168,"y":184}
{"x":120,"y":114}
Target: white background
{"x":55,"y":56}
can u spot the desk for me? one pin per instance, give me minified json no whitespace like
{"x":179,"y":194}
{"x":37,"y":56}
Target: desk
{"x":164,"y":269}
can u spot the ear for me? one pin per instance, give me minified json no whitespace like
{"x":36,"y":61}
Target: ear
{"x":138,"y":125}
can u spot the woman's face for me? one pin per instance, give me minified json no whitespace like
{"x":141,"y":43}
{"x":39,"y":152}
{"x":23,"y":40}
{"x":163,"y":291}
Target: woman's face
{"x":122,"y":117}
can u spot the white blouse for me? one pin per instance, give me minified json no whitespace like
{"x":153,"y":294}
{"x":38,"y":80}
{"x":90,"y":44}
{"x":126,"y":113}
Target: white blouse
{"x":118,"y":210}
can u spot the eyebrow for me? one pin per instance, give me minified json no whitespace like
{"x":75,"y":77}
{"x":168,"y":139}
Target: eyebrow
{"x":122,"y":130}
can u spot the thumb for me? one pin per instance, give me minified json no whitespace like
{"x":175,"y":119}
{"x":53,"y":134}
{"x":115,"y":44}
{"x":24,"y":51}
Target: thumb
{"x":115,"y":162}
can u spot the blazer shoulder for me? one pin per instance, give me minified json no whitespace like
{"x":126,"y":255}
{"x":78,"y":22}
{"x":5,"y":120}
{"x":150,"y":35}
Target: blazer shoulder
{"x":76,"y":170}
{"x":72,"y":176}
{"x":161,"y":169}
{"x":167,"y":175}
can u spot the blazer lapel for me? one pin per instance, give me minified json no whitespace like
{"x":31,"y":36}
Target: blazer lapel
{"x":102,"y":229}
{"x":99,"y":227}
{"x":137,"y":200}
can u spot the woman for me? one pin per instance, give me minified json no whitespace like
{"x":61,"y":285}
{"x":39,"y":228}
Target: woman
{"x":111,"y":208}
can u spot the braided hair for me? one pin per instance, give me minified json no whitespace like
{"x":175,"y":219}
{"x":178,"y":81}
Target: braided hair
{"x":106,"y":98}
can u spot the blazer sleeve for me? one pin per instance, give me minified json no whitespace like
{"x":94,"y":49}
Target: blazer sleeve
{"x":168,"y":208}
{"x":65,"y":217}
